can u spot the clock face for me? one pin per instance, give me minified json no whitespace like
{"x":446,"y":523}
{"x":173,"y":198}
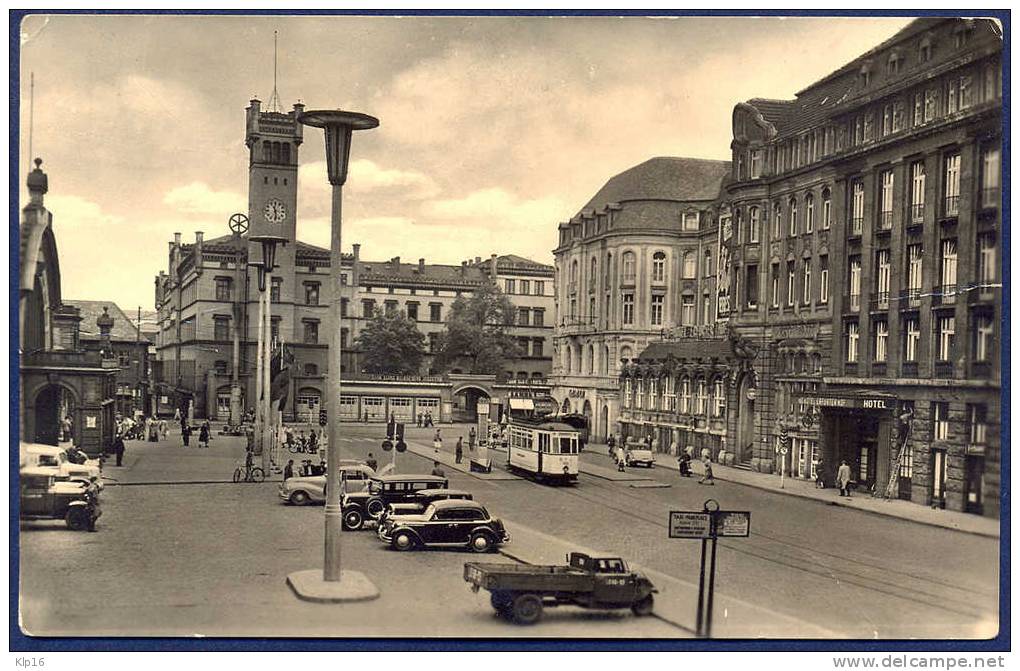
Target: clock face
{"x":275,"y":212}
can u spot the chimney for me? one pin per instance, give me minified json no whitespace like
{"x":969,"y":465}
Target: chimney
{"x":198,"y":252}
{"x":492,"y":267}
{"x":396,"y":262}
{"x":463,"y":267}
{"x":421,"y":266}
{"x":105,"y":324}
{"x":177,"y":239}
{"x":357,"y":251}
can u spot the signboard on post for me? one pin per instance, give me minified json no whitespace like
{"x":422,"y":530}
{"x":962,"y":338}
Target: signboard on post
{"x":733,"y":523}
{"x":685,"y":524}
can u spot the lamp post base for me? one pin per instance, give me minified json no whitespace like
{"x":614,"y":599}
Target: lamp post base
{"x":353,"y":586}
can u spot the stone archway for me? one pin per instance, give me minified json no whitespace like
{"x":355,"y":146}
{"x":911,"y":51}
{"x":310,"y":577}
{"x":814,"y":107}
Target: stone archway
{"x":466,"y":398}
{"x":604,"y":429}
{"x":52,"y":403}
{"x":589,"y":416}
{"x":746,"y":434}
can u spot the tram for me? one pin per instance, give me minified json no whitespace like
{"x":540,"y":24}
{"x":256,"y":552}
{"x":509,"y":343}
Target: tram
{"x":574,"y":419}
{"x":545,"y":451}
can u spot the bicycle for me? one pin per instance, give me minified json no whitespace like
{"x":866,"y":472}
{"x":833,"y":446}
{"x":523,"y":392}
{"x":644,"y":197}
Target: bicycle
{"x":249,"y":474}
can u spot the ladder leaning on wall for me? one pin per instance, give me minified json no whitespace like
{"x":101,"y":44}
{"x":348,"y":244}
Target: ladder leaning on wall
{"x":892,"y":489}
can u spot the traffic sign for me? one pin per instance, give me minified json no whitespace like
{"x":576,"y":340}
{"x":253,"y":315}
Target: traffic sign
{"x":783,"y":450}
{"x":686,"y":524}
{"x":387,"y":445}
{"x":401,"y":446}
{"x":733,"y":523}
{"x":322,"y":417}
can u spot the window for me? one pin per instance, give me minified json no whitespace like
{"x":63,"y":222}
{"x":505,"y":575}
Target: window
{"x":221,"y":328}
{"x":274,"y":290}
{"x":856,"y":207}
{"x":526,"y":287}
{"x":918,"y":108}
{"x":691,"y":221}
{"x":690,"y":270}
{"x":639,"y":394}
{"x":311,"y":333}
{"x":945,"y":336}
{"x":658,"y":267}
{"x":391,"y":308}
{"x":755,"y":163}
{"x":628,"y":309}
{"x":931,"y":101}
{"x":702,"y":398}
{"x":573,"y":276}
{"x":924,"y":52}
{"x":987,"y":265}
{"x":344,"y":333}
{"x":777,"y":221}
{"x":948,"y":271}
{"x":917,"y":191}
{"x":806,"y":284}
{"x":591,"y":309}
{"x":434,"y":345}
{"x":853,"y":335}
{"x":628,"y":392}
{"x":220,"y":367}
{"x":718,"y":398}
{"x":523,"y":316}
{"x":951,"y":92}
{"x":940,"y":421}
{"x":223,"y":288}
{"x":854,"y":280}
{"x":991,"y":82}
{"x":915,"y":267}
{"x":754,"y":224}
{"x":991,"y":175}
{"x":685,"y":395}
{"x":883,"y":268}
{"x":952,"y":186}
{"x":966,"y":92}
{"x":706,"y":309}
{"x":435,"y":312}
{"x":881,"y":340}
{"x":539,"y":288}
{"x":984,"y":335}
{"x":706,"y":270}
{"x":752,"y":286}
{"x":977,"y":423}
{"x":911,"y":338}
{"x":523,"y":344}
{"x":687,"y":310}
{"x":885,"y":217}
{"x":311,"y":293}
{"x":509,"y":287}
{"x":793,"y":217}
{"x":593,"y":274}
{"x":809,"y":213}
{"x":412,"y":311}
{"x":653,"y":388}
{"x":311,"y":369}
{"x":886,"y":120}
{"x":897,"y":116}
{"x":367,"y":308}
{"x":539,"y":314}
{"x":826,"y":209}
{"x":791,"y":284}
{"x":274,"y":329}
{"x":774,"y":285}
{"x":537,"y":347}
{"x":629,"y":270}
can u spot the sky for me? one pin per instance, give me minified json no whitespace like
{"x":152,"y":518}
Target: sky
{"x":493,"y":130}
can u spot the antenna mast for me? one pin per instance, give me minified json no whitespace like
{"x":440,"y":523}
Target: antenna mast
{"x":31,"y":113}
{"x":274,"y":101}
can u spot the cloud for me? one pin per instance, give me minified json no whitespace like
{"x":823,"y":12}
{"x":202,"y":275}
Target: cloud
{"x":199,"y":198}
{"x":365,"y":175}
{"x":499,"y":209}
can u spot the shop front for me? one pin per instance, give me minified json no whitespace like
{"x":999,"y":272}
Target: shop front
{"x":858,"y":430}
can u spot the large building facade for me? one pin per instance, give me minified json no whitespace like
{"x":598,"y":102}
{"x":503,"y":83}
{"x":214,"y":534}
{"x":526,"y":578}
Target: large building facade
{"x":208,"y":298}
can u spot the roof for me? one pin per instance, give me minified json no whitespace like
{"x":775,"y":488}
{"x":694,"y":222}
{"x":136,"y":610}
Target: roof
{"x":445,"y":492}
{"x":511,"y":262}
{"x":383,"y":272}
{"x":693,"y":348}
{"x":455,"y":503}
{"x":123,"y":327}
{"x":415,"y":478}
{"x":663,"y":178}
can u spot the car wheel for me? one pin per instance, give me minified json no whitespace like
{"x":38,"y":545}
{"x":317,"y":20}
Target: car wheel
{"x":375,"y":508}
{"x":644,"y":606}
{"x":501,"y":602}
{"x":403,"y":541}
{"x":481,"y":542}
{"x":258,"y":475}
{"x":527,"y":609}
{"x":353,"y":520}
{"x":77,"y":519}
{"x":299,"y":499}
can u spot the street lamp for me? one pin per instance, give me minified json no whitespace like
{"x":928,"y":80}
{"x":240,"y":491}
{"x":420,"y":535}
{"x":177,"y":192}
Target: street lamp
{"x":333,"y":584}
{"x":269,"y":243}
{"x":258,"y":357}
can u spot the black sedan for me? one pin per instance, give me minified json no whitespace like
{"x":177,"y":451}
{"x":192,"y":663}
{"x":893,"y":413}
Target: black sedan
{"x":449,"y":523}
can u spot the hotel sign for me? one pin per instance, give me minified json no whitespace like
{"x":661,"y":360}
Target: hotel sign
{"x":849,"y":403}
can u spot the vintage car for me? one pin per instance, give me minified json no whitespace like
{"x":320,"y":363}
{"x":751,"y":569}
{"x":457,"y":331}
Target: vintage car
{"x":48,"y":495}
{"x":302,"y":490}
{"x":383,"y":490}
{"x":33,"y":455}
{"x":449,"y":523}
{"x":634,"y":452}
{"x":423,"y":500}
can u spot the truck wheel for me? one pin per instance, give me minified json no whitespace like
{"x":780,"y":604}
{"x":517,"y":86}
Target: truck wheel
{"x":527,"y":609}
{"x":375,"y":508}
{"x":403,"y":541}
{"x":353,"y":520}
{"x":299,"y":498}
{"x":644,"y":606}
{"x":77,"y":519}
{"x":502,"y":602}
{"x":481,"y":542}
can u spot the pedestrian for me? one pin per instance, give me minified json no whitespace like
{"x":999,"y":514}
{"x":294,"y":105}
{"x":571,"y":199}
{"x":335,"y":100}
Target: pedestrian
{"x":417,"y":420}
{"x":371,"y":462}
{"x":288,"y":470}
{"x":203,"y":435}
{"x":65,"y":427}
{"x":428,"y":418}
{"x":819,"y":475}
{"x":707,"y":478}
{"x":437,"y":471}
{"x":313,"y":442}
{"x":302,"y":441}
{"x":459,"y":450}
{"x":164,"y":429}
{"x":177,"y":415}
{"x":648,"y":441}
{"x":118,"y":448}
{"x":437,"y":443}
{"x":674,"y":448}
{"x":843,"y":478}
{"x":611,"y":443}
{"x":472,"y":436}
{"x":321,"y":468}
{"x":684,"y":463}
{"x":185,"y":433}
{"x":306,"y":468}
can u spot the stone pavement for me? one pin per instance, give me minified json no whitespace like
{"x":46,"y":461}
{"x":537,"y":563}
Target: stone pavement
{"x":905,"y":510}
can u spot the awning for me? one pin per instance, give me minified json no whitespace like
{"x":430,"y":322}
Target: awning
{"x":522,"y":404}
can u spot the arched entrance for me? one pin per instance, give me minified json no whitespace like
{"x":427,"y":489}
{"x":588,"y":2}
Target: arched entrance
{"x":588,"y":416}
{"x":52,"y":403}
{"x":746,"y":436}
{"x":565,"y":408}
{"x":604,"y":429}
{"x":465,"y":406}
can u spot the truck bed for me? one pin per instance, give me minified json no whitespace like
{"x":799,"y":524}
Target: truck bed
{"x":527,"y":578}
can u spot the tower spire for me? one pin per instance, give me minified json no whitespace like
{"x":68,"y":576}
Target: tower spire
{"x":274,"y":101}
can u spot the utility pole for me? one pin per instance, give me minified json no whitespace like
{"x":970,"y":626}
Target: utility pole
{"x":141,"y":360}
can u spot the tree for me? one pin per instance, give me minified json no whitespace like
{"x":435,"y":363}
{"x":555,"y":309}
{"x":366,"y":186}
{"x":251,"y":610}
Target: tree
{"x":391,"y":344}
{"x":476,"y":338}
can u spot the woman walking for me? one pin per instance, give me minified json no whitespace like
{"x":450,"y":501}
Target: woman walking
{"x":203,"y":435}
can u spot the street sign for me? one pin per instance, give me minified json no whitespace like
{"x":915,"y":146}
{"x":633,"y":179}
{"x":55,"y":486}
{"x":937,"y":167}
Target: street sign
{"x":401,"y":446}
{"x":387,"y":445}
{"x":783,"y":450}
{"x":733,"y":523}
{"x":686,"y":524}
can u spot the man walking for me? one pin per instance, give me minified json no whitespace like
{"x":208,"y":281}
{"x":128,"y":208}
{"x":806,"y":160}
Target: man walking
{"x":707,"y":478}
{"x":203,"y":435}
{"x":118,"y":448}
{"x":371,"y":462}
{"x":459,"y":453}
{"x":843,"y":478}
{"x":185,"y":433}
{"x":437,"y":471}
{"x":437,"y":443}
{"x":288,"y":470}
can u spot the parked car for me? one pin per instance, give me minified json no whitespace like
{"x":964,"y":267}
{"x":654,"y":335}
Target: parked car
{"x":520,"y":591}
{"x":448,"y":523}
{"x":423,"y":499}
{"x":307,"y":489}
{"x":383,"y":490}
{"x":48,"y":495}
{"x":35,"y":455}
{"x":633,"y":453}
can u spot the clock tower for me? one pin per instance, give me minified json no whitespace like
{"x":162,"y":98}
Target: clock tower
{"x":273,"y":139}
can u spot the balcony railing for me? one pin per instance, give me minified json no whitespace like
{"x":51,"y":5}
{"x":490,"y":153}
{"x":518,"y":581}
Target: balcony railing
{"x":951,"y":206}
{"x":983,"y":293}
{"x":909,"y":369}
{"x":991,"y":197}
{"x":944,"y":369}
{"x":910,"y":299}
{"x":885,"y":221}
{"x":576,"y":324}
{"x":917,"y":214}
{"x":880,"y":301}
{"x":944,"y":294}
{"x":857,"y":226}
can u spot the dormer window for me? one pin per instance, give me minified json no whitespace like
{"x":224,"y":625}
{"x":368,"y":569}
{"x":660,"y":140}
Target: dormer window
{"x":962,"y":32}
{"x":894,"y":63}
{"x":865,"y":75}
{"x":925,"y":51}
